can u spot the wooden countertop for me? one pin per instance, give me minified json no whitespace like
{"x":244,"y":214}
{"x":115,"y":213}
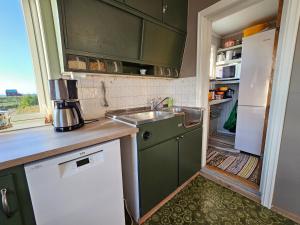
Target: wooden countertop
{"x":24,"y":146}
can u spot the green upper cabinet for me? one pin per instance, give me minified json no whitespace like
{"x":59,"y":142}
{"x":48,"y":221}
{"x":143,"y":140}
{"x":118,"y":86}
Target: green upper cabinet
{"x":152,"y":8}
{"x":98,"y":28}
{"x":162,"y":46}
{"x":175,"y":13}
{"x":16,"y":207}
{"x":141,"y":32}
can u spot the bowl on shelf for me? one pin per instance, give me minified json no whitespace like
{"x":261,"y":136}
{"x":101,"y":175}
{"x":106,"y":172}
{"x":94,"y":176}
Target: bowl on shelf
{"x":254,"y":29}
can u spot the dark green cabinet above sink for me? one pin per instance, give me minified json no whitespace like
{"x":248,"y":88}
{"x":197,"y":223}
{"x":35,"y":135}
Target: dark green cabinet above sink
{"x":96,"y":27}
{"x":162,"y":46}
{"x":175,"y":13}
{"x":152,"y":8}
{"x":135,"y":33}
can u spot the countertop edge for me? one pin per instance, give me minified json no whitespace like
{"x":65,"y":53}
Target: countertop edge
{"x":65,"y":149}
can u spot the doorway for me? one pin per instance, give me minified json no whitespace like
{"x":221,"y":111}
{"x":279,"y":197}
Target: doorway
{"x":269,"y":154}
{"x":241,"y":64}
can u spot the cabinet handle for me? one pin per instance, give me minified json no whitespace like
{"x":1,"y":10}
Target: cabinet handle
{"x":165,"y":8}
{"x":5,"y":205}
{"x":146,"y":135}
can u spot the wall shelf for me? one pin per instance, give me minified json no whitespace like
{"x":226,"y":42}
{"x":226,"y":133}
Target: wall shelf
{"x":226,"y":62}
{"x":230,"y":48}
{"x":226,"y":81}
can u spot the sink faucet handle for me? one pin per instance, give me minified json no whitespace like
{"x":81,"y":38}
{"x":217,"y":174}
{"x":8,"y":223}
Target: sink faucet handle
{"x":158,"y":105}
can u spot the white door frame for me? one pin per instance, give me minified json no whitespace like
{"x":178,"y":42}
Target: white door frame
{"x":282,"y":74}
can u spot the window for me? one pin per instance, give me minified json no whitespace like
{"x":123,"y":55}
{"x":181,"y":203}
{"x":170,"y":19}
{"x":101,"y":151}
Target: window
{"x":21,"y":101}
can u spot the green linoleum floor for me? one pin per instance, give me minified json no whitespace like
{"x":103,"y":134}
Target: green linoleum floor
{"x":205,"y":202}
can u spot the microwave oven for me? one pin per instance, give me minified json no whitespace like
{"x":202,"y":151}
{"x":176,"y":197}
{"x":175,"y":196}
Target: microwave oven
{"x":229,"y":71}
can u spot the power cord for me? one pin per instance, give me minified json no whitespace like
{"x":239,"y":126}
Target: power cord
{"x":90,"y":121}
{"x":129,"y":213}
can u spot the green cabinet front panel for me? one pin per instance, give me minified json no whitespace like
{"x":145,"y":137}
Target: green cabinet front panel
{"x":190,"y":150}
{"x":93,"y":26}
{"x":152,"y":8}
{"x":156,"y":132}
{"x":158,"y":172}
{"x":18,"y":197}
{"x":175,"y":13}
{"x":162,"y":46}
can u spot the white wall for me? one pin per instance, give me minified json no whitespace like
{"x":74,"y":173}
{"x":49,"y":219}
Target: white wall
{"x":189,"y":60}
{"x":129,"y":92}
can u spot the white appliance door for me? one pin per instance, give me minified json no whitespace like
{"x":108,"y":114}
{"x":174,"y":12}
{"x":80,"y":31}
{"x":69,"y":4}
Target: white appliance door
{"x":249,"y":129}
{"x":256,"y":69}
{"x":78,"y":188}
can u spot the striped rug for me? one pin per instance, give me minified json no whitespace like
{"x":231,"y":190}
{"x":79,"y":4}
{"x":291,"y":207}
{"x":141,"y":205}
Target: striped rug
{"x":240,"y":164}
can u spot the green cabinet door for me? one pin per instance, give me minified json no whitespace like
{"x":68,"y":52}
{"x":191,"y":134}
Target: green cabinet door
{"x":158,"y":173}
{"x":175,"y":13}
{"x":14,"y":189}
{"x":162,"y":46}
{"x":95,"y":27}
{"x":152,"y":8}
{"x":190,"y":149}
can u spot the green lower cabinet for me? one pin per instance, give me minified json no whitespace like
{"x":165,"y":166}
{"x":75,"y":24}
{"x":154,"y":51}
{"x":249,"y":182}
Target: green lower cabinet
{"x":190,"y":148}
{"x":166,"y":166}
{"x":158,"y":172}
{"x":16,"y":207}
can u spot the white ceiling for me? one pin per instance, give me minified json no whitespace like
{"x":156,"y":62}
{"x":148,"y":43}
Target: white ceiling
{"x":236,"y":22}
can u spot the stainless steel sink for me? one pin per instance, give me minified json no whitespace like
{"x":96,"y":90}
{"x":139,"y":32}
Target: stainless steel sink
{"x":192,"y":116}
{"x":144,"y":117}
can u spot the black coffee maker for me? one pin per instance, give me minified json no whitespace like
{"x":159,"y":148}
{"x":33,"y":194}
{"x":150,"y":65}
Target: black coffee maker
{"x":67,"y":114}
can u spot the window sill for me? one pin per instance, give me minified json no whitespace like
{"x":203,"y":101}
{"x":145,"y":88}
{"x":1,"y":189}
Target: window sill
{"x":25,"y":124}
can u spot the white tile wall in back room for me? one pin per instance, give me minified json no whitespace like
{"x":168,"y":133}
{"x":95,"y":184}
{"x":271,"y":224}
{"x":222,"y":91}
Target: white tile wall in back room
{"x":130,"y":92}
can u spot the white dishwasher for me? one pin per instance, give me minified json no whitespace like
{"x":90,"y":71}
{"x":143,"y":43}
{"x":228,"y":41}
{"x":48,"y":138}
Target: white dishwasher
{"x":83,"y":187}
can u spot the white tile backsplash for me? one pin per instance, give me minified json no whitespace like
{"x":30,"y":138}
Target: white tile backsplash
{"x":129,"y":92}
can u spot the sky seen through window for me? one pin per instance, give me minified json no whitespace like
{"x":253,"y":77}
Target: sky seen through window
{"x":16,"y":69}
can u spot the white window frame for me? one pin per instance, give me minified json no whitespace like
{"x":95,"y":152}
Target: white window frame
{"x":34,"y":28}
{"x":37,"y":47}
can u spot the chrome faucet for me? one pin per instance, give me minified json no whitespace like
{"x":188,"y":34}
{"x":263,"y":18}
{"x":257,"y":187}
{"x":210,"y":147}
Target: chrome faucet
{"x":155,"y":106}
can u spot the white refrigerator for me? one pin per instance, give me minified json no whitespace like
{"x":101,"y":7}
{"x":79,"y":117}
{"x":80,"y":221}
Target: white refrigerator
{"x":257,"y":55}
